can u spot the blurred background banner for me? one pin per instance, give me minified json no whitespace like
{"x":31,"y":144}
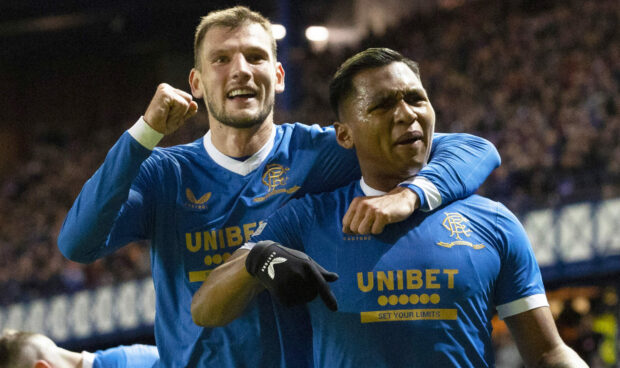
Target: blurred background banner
{"x":113,"y":313}
{"x":576,"y":242}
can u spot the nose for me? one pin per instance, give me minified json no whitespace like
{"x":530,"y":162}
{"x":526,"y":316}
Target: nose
{"x":404,"y":113}
{"x":240,"y":68}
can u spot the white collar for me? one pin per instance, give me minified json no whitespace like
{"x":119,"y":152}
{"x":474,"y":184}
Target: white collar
{"x":368,"y":190}
{"x":239,"y":167}
{"x":88,"y":359}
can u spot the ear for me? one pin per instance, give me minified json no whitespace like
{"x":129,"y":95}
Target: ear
{"x":279,"y":88}
{"x":42,"y":364}
{"x":344,"y":135}
{"x":195,"y":83}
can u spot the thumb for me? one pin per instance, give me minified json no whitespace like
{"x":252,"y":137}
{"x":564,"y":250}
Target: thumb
{"x":329,"y":276}
{"x":191,"y":111}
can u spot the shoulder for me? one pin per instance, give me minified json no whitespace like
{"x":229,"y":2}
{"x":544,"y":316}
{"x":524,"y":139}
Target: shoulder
{"x":179,"y":154}
{"x":439,"y":137}
{"x":132,"y":356}
{"x":475,"y":205}
{"x":328,"y":202}
{"x":481,"y":212}
{"x":299,"y":128}
{"x":306,"y":133}
{"x":497,"y":210}
{"x":181,"y":150}
{"x":482,"y":203}
{"x":496,"y":217}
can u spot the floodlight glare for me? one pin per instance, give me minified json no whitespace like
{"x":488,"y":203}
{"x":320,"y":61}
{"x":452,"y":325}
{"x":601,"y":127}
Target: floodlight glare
{"x":278,"y":31}
{"x":317,"y":33}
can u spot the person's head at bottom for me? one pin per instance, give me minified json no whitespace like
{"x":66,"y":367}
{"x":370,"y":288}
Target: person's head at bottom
{"x":20,"y":349}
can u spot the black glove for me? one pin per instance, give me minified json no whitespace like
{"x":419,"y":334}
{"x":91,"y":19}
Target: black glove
{"x":289,"y":275}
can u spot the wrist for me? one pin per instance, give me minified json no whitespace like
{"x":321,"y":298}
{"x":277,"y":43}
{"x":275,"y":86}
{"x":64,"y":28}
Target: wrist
{"x":145,"y":134}
{"x":412,"y":197}
{"x":255,"y":258}
{"x":418,"y":198}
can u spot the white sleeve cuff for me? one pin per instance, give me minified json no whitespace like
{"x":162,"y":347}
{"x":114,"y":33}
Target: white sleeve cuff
{"x":433,"y":197}
{"x":248,"y":246}
{"x":88,"y":359}
{"x":144,"y":134}
{"x":522,"y":305}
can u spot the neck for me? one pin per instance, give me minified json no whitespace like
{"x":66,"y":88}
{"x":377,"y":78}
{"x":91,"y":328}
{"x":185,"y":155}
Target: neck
{"x":385,"y":181}
{"x":383,"y":184}
{"x":240,"y":142}
{"x":70,"y":358}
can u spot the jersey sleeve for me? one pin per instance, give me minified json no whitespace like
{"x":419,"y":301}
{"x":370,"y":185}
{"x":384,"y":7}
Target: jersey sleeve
{"x":134,"y":356}
{"x":110,"y":210}
{"x":334,"y":165}
{"x":519,"y":285}
{"x":459,"y":163}
{"x":287,"y":225}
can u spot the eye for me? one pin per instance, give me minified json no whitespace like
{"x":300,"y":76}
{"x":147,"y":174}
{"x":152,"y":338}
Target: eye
{"x":414,"y":98}
{"x":255,"y":58}
{"x":381,"y":105}
{"x":220,"y":59}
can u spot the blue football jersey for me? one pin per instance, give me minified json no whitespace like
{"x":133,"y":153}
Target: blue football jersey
{"x":422,"y":293}
{"x":197,"y":206}
{"x":133,"y":356}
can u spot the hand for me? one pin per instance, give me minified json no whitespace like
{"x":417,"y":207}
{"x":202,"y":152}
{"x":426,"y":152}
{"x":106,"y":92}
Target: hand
{"x":371,"y":214}
{"x":169,"y":109}
{"x":289,"y":275}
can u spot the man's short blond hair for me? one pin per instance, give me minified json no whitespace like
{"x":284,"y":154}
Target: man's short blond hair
{"x":12,"y":345}
{"x":229,"y":18}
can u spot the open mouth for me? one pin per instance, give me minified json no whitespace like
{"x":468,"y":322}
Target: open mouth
{"x":240,"y":93}
{"x":409,"y":138}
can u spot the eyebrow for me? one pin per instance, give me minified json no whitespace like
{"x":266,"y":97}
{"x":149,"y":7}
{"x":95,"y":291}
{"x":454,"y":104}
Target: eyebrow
{"x":222,"y":50}
{"x":394,"y":94}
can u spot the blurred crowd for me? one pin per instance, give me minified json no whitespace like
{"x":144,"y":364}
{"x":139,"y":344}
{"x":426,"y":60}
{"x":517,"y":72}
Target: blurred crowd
{"x":33,"y":204}
{"x":542,"y":82}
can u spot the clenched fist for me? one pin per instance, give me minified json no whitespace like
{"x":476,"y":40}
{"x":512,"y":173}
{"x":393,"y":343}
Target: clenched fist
{"x":169,"y":109}
{"x":370,"y":215}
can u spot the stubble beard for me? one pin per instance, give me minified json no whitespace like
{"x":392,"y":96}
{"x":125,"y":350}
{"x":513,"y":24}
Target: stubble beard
{"x":240,"y":123}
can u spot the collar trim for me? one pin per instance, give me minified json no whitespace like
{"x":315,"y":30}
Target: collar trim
{"x":239,"y":167}
{"x":368,"y":190}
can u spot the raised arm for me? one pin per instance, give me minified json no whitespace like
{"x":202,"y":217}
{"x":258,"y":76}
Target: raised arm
{"x":538,"y":340}
{"x":107,"y":195}
{"x":458,"y":165}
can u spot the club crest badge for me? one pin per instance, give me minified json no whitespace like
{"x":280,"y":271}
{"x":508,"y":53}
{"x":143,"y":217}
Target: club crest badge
{"x":456,"y":224}
{"x":275,"y":179}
